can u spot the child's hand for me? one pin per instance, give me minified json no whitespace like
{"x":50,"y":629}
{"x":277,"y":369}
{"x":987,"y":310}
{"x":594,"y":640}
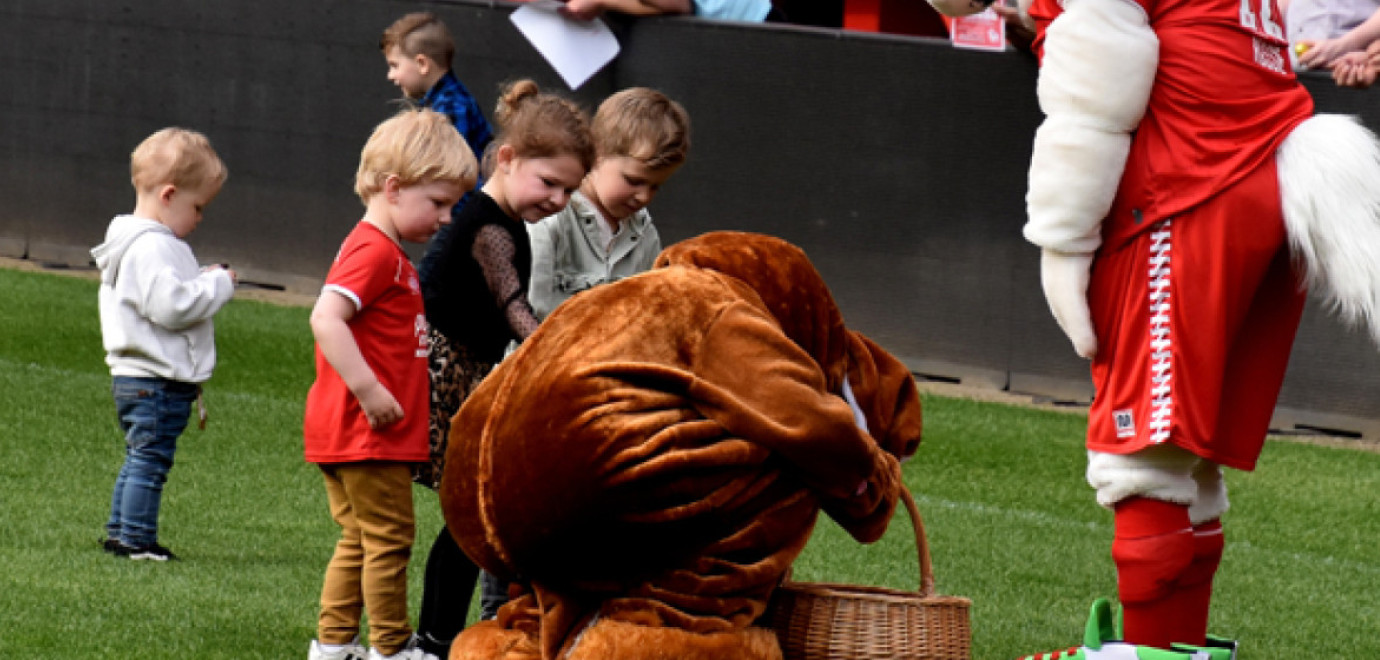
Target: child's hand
{"x":1372,"y":65}
{"x":234,"y":277}
{"x":379,"y":406}
{"x":1321,"y":54}
{"x":1353,"y":70}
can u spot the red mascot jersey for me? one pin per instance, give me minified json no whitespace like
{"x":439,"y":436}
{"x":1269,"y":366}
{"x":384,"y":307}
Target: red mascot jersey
{"x":1224,"y":98}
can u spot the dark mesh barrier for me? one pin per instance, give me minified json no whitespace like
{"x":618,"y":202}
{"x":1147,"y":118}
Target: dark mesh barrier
{"x":898,"y":163}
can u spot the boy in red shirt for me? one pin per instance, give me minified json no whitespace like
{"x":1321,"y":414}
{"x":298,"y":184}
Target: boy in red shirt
{"x":1183,"y":192}
{"x":366,"y":414}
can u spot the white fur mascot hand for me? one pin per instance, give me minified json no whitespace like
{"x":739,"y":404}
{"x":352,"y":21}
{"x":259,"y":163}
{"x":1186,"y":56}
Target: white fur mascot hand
{"x":1065,"y":278}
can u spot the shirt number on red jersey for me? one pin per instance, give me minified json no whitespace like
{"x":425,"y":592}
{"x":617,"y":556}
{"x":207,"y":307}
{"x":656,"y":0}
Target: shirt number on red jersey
{"x":1261,"y":17}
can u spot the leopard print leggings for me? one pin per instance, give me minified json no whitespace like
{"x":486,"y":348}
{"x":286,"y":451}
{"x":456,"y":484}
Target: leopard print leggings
{"x":454,"y":375}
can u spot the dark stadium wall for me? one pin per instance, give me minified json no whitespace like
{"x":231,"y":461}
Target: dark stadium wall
{"x":897,"y":163}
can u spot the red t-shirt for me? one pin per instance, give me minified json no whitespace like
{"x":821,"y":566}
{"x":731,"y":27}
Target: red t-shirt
{"x":1224,"y":97}
{"x":390,"y":328}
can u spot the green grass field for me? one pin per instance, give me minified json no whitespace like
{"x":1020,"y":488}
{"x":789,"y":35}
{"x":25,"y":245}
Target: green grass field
{"x":1010,"y":521}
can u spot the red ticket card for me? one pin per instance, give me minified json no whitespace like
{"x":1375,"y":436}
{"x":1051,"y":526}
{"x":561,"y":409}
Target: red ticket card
{"x":985,"y":31}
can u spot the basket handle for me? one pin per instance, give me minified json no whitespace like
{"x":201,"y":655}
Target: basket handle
{"x":922,"y":545}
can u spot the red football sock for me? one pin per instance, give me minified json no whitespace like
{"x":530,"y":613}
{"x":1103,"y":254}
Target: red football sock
{"x":1194,"y":592}
{"x":1153,"y":549}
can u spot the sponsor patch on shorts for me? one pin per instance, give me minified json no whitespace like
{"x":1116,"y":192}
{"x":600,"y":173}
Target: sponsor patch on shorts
{"x":1125,"y":423}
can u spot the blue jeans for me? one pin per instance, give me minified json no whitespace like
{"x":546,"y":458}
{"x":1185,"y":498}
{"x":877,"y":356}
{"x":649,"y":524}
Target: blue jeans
{"x":152,"y":413}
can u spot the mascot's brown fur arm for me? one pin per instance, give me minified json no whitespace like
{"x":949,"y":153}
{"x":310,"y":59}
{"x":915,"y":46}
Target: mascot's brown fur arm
{"x":890,"y":401}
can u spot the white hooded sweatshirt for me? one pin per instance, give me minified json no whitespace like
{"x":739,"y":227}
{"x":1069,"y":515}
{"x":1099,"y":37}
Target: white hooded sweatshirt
{"x":156,"y":303}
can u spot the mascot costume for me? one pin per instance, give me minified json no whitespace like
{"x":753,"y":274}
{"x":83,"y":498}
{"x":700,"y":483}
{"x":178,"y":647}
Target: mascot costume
{"x":646,"y":467}
{"x":1183,"y":194}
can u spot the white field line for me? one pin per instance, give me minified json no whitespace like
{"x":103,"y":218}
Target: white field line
{"x":1047,"y":520}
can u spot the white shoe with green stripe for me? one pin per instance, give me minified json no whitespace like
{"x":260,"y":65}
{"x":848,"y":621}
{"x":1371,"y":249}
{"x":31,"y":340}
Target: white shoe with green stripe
{"x":1100,"y":642}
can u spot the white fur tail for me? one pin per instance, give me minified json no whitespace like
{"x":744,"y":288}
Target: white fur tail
{"x":1329,"y":179}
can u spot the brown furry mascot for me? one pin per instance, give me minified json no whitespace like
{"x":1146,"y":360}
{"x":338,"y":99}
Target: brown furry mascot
{"x":651,"y":461}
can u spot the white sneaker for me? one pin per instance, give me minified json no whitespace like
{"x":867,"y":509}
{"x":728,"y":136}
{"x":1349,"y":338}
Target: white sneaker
{"x":413,"y":651}
{"x":351,"y":651}
{"x":405,"y":654}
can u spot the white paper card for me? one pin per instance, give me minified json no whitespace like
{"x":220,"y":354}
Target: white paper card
{"x":575,"y":49}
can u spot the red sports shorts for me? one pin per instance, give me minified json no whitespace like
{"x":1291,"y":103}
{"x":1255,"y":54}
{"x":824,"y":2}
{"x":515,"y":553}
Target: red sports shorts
{"x":1195,"y":318}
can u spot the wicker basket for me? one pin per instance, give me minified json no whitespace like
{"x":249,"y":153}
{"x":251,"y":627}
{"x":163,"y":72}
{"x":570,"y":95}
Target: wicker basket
{"x":819,"y":621}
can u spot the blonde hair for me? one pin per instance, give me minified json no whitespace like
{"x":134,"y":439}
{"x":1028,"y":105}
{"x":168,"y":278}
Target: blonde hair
{"x":420,"y":33}
{"x":644,"y":124}
{"x":418,"y":146}
{"x":179,"y":156}
{"x":538,"y":124}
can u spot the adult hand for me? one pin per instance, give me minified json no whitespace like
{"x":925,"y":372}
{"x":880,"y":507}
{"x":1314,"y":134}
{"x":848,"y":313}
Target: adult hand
{"x":583,"y":10}
{"x":1065,"y":278}
{"x":958,"y":8}
{"x":1020,"y":27}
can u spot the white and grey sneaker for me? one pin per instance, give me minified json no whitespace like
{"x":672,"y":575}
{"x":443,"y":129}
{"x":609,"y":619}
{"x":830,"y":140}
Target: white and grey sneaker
{"x":351,"y":651}
{"x":413,"y":651}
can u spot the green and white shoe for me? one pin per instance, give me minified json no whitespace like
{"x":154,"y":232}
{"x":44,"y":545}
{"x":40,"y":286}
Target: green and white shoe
{"x":1216,"y":648}
{"x":1100,"y":643}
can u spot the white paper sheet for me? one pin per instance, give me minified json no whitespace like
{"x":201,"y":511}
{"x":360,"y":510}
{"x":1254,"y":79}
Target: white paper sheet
{"x":575,"y":49}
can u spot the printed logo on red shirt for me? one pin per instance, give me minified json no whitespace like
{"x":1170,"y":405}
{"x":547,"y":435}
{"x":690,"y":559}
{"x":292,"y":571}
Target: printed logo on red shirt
{"x":1125,"y":423}
{"x":1271,"y":57}
{"x":420,"y":329}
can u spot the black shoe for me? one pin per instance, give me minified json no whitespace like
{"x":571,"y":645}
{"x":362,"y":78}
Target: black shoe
{"x":150,"y":552}
{"x":113,"y":546}
{"x":431,"y":645}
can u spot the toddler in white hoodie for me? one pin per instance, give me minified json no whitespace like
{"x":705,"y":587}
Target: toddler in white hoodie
{"x":156,"y":305}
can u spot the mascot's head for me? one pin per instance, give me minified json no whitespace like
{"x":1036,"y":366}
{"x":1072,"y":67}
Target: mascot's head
{"x":795,"y":293}
{"x":785,"y":280}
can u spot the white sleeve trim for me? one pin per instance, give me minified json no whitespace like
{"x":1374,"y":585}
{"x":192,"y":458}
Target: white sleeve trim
{"x":354,"y":299}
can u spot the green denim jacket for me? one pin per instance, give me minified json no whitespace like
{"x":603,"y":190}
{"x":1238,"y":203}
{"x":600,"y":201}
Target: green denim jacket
{"x":567,"y":257}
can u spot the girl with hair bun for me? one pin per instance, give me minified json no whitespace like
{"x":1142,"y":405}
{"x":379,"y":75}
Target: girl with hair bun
{"x":476,"y":302}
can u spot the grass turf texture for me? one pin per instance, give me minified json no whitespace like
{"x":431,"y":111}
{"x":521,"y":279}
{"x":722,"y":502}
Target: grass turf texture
{"x":1011,"y":523}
